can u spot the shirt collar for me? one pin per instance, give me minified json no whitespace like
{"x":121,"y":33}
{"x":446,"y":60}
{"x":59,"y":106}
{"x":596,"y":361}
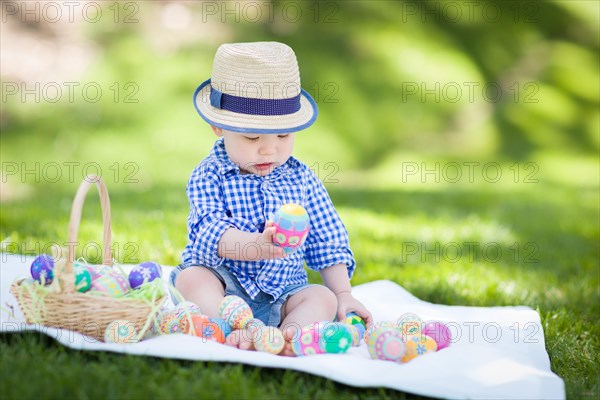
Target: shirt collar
{"x":226,"y":165}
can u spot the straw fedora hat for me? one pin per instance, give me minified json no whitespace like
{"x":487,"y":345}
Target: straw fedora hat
{"x":255,"y":88}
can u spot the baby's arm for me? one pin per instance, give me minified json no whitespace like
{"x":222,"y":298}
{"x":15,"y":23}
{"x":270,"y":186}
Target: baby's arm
{"x":249,"y":246}
{"x":336,"y":279}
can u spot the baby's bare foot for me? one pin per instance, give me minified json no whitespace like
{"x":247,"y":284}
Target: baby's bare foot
{"x":289,"y":334}
{"x":245,"y":339}
{"x":241,"y":338}
{"x":287,"y":350}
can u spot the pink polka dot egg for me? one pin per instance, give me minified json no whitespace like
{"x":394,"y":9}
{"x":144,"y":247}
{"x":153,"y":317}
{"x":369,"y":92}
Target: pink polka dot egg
{"x":307,"y":342}
{"x":291,"y":224}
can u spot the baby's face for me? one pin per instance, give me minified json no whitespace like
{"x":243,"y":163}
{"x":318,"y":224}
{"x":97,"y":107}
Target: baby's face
{"x":256,"y":153}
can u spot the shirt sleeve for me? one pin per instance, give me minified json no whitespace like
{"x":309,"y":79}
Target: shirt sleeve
{"x":208,"y":219}
{"x":327,"y":243}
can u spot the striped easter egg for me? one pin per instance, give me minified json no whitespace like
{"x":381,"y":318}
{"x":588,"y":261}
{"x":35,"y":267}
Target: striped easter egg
{"x":235,"y":311}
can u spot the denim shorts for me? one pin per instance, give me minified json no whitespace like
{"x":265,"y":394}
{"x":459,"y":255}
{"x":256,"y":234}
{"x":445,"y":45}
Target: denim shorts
{"x":262,"y":306}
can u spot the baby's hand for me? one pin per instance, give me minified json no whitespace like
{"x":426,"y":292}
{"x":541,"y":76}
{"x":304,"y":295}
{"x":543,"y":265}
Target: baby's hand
{"x":268,"y":249}
{"x":347,"y":303}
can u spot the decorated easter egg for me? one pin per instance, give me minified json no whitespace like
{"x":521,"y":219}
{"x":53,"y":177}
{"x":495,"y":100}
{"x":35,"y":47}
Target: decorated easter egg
{"x":149,"y":333}
{"x":418,"y":345}
{"x":42,"y":269}
{"x":268,"y":339}
{"x":144,"y":273}
{"x":155,"y":326}
{"x":95,"y":270}
{"x":166,"y":308}
{"x":91,"y":269}
{"x":204,"y":327}
{"x":223,"y":325}
{"x":254,"y":325}
{"x":291,"y":227}
{"x":307,"y":342}
{"x":355,"y":335}
{"x":168,"y":322}
{"x":83,"y":278}
{"x":120,"y":331}
{"x":184,"y":311}
{"x":113,"y":284}
{"x":410,"y":323}
{"x":439,"y":332}
{"x":335,"y":338}
{"x":380,"y":324}
{"x":356,"y":321}
{"x":386,"y":344}
{"x":187,"y":307}
{"x":235,"y":311}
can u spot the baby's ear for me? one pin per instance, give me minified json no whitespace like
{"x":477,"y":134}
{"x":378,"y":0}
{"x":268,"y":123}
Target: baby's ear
{"x":217,"y":131}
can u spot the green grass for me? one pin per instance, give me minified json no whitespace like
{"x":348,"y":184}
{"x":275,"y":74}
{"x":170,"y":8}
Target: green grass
{"x":547,"y":232}
{"x":401,"y":228}
{"x":63,"y":373}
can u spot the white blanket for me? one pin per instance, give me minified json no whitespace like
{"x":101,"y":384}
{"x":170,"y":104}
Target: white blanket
{"x":497,"y":352}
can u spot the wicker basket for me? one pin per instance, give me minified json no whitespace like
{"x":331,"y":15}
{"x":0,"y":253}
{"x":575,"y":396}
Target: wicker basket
{"x":67,"y":308}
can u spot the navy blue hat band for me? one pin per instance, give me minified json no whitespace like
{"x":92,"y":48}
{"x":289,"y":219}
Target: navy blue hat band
{"x":248,"y":105}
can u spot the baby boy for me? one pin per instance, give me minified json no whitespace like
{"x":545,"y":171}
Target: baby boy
{"x":255,"y":105}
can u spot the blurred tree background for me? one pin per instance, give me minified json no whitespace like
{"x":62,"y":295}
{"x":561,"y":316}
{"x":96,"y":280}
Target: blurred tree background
{"x":455,"y":97}
{"x":395,"y":81}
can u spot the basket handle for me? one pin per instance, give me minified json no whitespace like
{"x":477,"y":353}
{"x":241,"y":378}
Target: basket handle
{"x":74,"y":222}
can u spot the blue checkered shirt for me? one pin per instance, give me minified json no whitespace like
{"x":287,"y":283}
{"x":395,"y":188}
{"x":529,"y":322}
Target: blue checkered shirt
{"x":222,"y":198}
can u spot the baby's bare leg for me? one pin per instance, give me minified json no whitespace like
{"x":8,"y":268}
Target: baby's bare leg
{"x":203,"y":288}
{"x":313,"y":304}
